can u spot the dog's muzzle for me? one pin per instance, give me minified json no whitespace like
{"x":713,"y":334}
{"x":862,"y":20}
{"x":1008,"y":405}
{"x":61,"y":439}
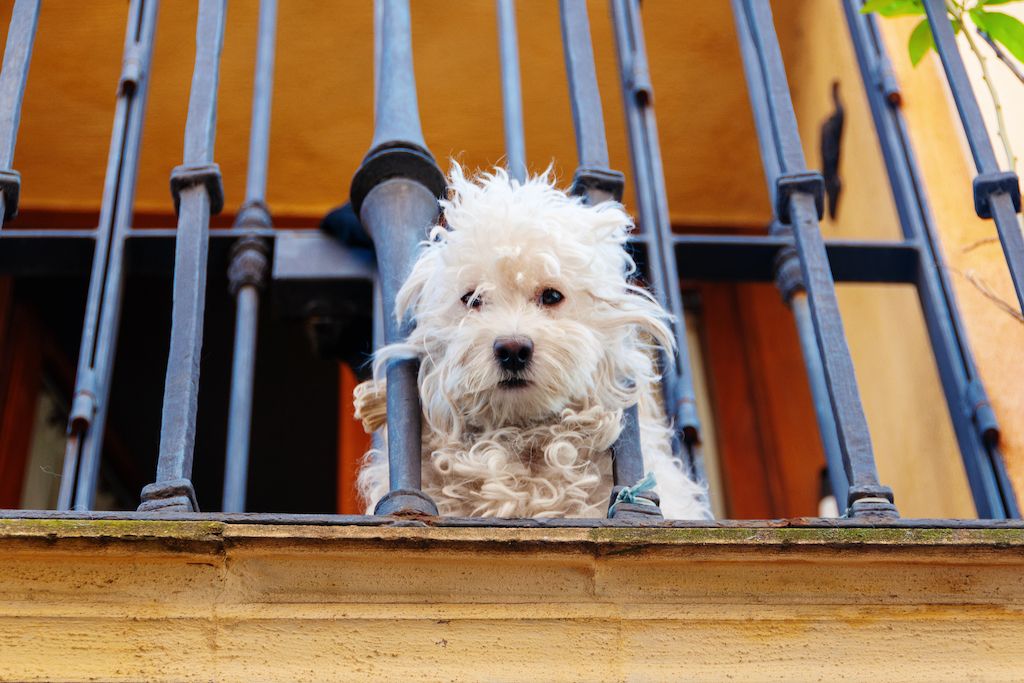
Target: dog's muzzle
{"x":513,"y":353}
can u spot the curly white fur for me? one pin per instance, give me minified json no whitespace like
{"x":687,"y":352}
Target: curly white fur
{"x":541,"y":450}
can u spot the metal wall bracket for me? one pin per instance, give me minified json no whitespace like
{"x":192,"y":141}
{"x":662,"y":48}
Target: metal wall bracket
{"x":208,"y":175}
{"x":987,"y":184}
{"x":789,"y":184}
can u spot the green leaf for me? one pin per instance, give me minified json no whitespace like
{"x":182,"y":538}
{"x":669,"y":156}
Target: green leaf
{"x":994,"y":2}
{"x":920,"y":42}
{"x":893,"y":8}
{"x":978,"y":17}
{"x":1007,"y":30}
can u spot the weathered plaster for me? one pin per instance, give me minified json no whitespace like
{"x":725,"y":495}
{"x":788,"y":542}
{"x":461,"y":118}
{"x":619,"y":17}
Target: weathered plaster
{"x":139,"y":600}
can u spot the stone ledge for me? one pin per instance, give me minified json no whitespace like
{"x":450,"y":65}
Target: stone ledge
{"x":184,"y":534}
{"x":131,"y":599}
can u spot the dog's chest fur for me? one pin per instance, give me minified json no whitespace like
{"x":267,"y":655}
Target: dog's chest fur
{"x":562,"y":469}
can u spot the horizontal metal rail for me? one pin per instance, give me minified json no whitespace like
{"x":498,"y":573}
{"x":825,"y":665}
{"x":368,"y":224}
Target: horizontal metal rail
{"x":313,"y":255}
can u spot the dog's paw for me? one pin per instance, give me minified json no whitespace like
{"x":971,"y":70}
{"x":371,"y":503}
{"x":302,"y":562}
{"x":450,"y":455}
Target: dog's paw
{"x":370,"y":404}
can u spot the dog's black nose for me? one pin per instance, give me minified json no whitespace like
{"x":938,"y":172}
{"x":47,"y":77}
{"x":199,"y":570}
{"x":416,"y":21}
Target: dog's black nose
{"x":513,"y":353}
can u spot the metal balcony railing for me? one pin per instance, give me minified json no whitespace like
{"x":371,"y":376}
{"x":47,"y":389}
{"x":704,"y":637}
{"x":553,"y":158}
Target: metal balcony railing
{"x":395,"y":193}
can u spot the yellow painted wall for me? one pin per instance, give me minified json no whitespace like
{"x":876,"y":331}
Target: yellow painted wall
{"x":996,"y":336}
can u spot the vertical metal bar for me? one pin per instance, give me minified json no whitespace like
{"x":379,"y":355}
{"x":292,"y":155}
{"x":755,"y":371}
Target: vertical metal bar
{"x":13,"y":76}
{"x":593,"y":178}
{"x":87,"y":420}
{"x":247,"y":272}
{"x":598,"y":183}
{"x":790,"y":282}
{"x":798,"y":203}
{"x":996,"y":193}
{"x":395,"y":193}
{"x":511,"y":90}
{"x":652,"y":202}
{"x":973,"y":420}
{"x":198,"y":192}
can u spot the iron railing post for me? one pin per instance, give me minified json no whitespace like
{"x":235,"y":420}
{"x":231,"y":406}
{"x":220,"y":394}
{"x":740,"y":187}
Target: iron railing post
{"x":798,"y":202}
{"x":395,"y":193}
{"x":17,"y":55}
{"x":996,"y":192}
{"x":598,"y":183}
{"x":652,"y":204}
{"x":247,"y":272}
{"x":511,"y":90}
{"x":198,"y":193}
{"x":974,"y":421}
{"x":790,"y":283}
{"x":90,"y":400}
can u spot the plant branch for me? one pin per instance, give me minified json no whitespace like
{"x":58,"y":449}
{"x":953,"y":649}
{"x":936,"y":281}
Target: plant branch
{"x":1003,"y":57}
{"x":1004,"y":134}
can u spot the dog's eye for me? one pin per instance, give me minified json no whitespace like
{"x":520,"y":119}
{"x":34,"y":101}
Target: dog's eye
{"x":551,"y":297}
{"x":472,"y":301}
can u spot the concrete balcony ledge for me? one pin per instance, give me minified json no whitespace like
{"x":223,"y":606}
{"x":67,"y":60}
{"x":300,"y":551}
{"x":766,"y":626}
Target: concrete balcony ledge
{"x":193,"y":599}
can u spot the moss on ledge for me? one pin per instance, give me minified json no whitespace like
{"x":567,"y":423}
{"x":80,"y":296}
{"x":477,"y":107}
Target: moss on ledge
{"x":194,"y":533}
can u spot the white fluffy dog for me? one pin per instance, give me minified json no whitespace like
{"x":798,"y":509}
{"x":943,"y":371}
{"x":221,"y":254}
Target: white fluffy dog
{"x":532,"y":342}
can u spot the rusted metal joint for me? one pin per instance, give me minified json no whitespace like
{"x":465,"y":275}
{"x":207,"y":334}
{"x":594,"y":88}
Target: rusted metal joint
{"x":639,"y":82}
{"x":208,"y":175}
{"x":10,"y":186}
{"x":789,"y":279}
{"x":589,"y":178}
{"x":253,"y":214}
{"x":809,"y":182}
{"x":172,"y":495}
{"x":982,"y":413}
{"x":886,"y":79}
{"x":83,"y":404}
{"x":131,"y":71}
{"x":250,"y":261}
{"x":396,"y":160}
{"x":400,"y":502}
{"x":988,"y":184}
